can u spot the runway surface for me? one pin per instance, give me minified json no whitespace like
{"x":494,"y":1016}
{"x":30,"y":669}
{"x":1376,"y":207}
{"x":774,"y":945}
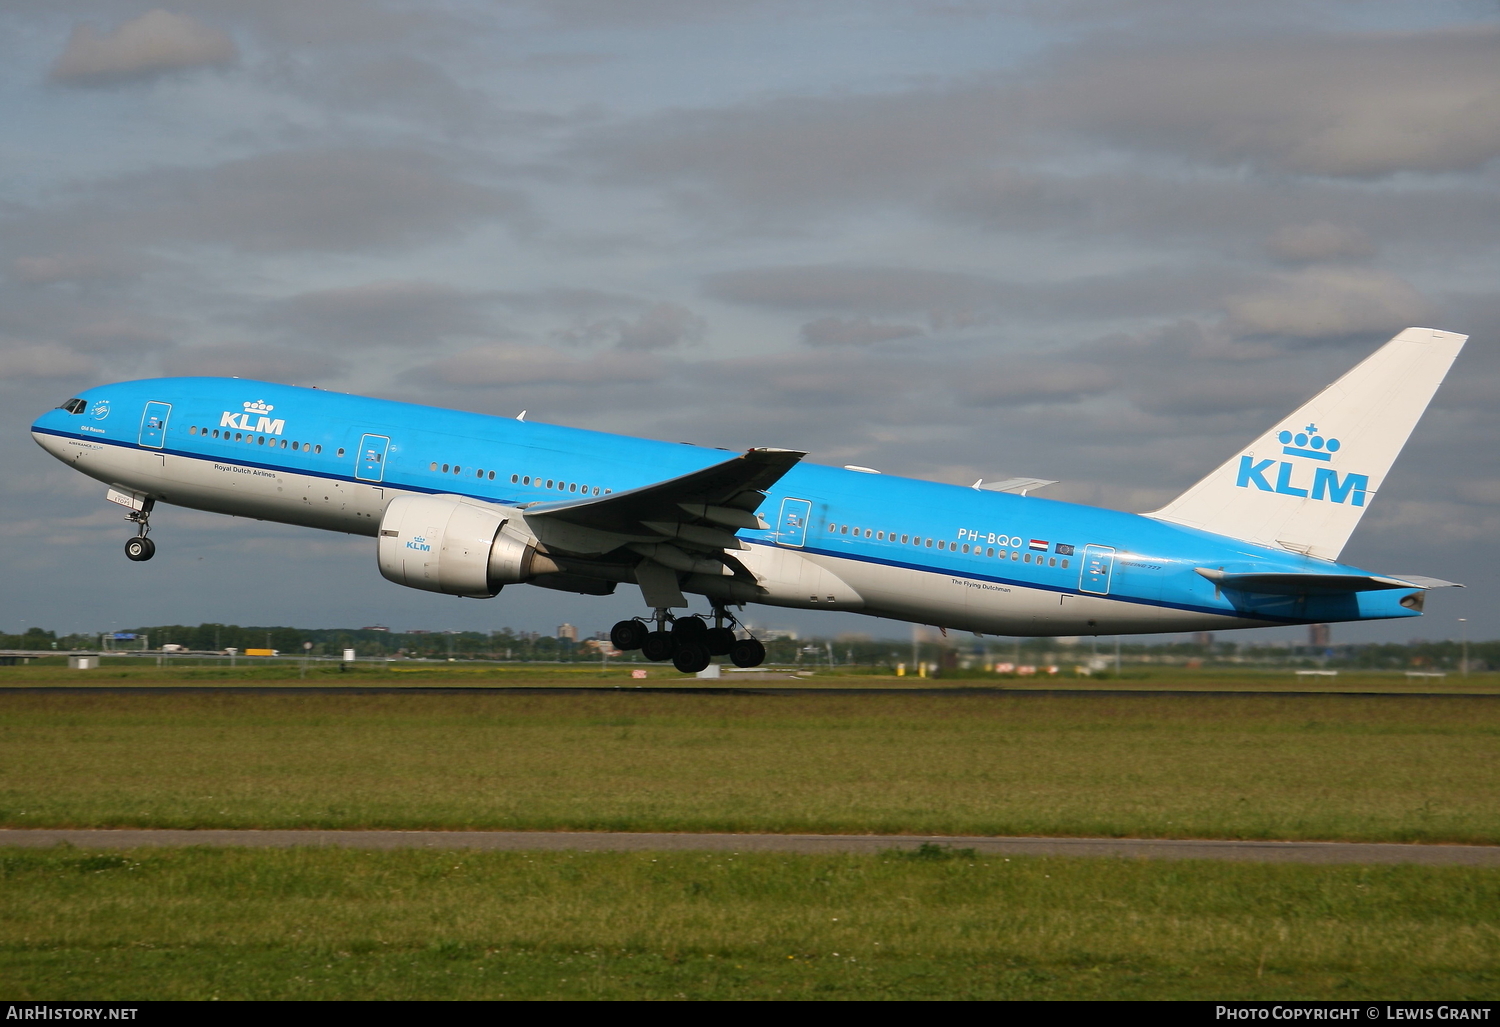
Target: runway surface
{"x":1130,"y":848}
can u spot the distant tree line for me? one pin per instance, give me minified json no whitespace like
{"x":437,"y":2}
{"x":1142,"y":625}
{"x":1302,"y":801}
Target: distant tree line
{"x":958,"y":652}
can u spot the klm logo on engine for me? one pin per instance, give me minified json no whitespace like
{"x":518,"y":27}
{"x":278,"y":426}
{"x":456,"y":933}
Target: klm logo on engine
{"x":258,"y":409}
{"x":1325,"y":485}
{"x":420,"y":544}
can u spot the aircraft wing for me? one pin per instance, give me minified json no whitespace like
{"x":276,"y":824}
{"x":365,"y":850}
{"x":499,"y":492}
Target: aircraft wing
{"x":1294,"y":584}
{"x":685,"y":523}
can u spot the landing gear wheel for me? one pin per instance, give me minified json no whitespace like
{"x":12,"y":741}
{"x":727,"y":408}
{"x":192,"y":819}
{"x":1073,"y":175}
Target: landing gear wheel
{"x":689,"y":628}
{"x":747,"y":652}
{"x":719,"y":641}
{"x":691,"y":657}
{"x":658,"y":646}
{"x":140,"y":549}
{"x":627,"y":635}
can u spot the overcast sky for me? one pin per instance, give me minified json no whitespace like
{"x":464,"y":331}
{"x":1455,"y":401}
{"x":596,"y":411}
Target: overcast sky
{"x":1103,"y":241}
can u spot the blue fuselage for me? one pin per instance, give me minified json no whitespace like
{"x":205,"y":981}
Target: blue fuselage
{"x":904,"y":548}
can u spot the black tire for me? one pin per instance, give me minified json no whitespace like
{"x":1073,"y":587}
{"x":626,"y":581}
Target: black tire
{"x":627,"y":635}
{"x":719,"y":641}
{"x":658,"y":646}
{"x":747,"y":652}
{"x":691,"y":657}
{"x":689,"y":628}
{"x":140,"y":549}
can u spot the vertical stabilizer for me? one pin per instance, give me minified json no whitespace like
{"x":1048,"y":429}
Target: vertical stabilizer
{"x":1305,"y":483}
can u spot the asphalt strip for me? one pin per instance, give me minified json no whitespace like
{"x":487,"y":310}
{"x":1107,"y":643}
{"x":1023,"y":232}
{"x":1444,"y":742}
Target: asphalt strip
{"x":589,"y":841}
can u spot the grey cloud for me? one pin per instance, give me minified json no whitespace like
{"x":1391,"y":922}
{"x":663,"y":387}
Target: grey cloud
{"x":856,"y":331}
{"x":1320,"y":240}
{"x":265,"y":363}
{"x":660,"y":326}
{"x":1343,"y":105}
{"x":312,"y":200}
{"x":1024,"y":381}
{"x":153,"y":44}
{"x":954,"y":301}
{"x":1326,"y":302}
{"x":54,"y":268}
{"x":397,"y":313}
{"x":510,"y":364}
{"x":853,"y":288}
{"x":42,"y":362}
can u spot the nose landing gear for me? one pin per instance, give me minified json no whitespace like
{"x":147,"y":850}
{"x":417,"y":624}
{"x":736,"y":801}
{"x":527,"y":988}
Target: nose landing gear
{"x":688,"y":642}
{"x":141,"y":548}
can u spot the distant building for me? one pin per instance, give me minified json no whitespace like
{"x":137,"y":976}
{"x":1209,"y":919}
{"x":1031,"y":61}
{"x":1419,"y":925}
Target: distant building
{"x":567,"y":631}
{"x":1319,"y":636}
{"x":376,"y":627}
{"x":1203,"y":638}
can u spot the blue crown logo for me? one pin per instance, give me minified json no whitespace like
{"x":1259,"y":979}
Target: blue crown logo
{"x":1308,"y":443}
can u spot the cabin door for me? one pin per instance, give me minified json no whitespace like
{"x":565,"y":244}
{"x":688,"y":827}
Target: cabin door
{"x":1098,"y":567}
{"x":154,"y":425}
{"x":791,"y":529}
{"x":372,"y":450}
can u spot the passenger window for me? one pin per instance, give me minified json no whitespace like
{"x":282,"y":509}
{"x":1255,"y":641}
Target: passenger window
{"x":903,"y":540}
{"x":340,"y":452}
{"x":193,"y":430}
{"x":261,"y":441}
{"x":515,"y":478}
{"x":966,"y":548}
{"x":237,"y":436}
{"x":445,"y":466}
{"x":549,"y":483}
{"x":573,"y":487}
{"x":480,"y":473}
{"x":880,"y":536}
{"x":1015,"y":555}
{"x":492,"y":476}
{"x":1052,"y":562}
{"x":319,"y":448}
{"x":283,"y":443}
{"x":432,"y":466}
{"x":844,"y":530}
{"x":1026,"y":558}
{"x":990,"y":551}
{"x":216,"y":433}
{"x":867,"y":533}
{"x":833,"y":529}
{"x":941,"y":544}
{"x":596,"y":490}
{"x":1065,"y":564}
{"x":456,"y":468}
{"x":526,"y":480}
{"x":294,"y":446}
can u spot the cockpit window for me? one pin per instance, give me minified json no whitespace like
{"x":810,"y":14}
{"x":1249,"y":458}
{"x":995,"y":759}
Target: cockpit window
{"x":74,"y":406}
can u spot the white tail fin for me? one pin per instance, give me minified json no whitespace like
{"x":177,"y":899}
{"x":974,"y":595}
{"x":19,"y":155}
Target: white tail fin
{"x":1304,"y":484}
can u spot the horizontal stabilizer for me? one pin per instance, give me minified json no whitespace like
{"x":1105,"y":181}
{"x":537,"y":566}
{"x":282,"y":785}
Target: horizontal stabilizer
{"x":1017,"y":485}
{"x":1316,"y":584}
{"x":1303,"y":485}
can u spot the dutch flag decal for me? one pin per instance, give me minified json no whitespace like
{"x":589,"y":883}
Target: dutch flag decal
{"x":1039,"y":545}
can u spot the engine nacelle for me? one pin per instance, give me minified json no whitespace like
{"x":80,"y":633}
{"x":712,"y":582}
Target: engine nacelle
{"x":457,"y":546}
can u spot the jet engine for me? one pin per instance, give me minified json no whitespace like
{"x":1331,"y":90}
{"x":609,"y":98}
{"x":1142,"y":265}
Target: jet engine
{"x":457,"y":546}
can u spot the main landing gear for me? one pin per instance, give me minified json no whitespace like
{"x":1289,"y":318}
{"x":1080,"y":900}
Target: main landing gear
{"x":141,"y":548}
{"x":688,"y":641}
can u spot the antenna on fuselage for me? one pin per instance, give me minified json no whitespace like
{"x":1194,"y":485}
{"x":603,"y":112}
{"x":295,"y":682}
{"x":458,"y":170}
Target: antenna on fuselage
{"x":521,"y":416}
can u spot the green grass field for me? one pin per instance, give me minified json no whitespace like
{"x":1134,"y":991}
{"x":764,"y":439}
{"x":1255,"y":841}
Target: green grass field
{"x":1207,"y":766}
{"x":322,"y":923}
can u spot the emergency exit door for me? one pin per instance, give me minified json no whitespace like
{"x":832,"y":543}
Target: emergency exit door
{"x":372,"y":453}
{"x":154,"y":425}
{"x":791,"y":530}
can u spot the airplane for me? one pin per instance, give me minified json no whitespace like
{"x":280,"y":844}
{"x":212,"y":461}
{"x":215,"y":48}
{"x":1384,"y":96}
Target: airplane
{"x":465,"y":504}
